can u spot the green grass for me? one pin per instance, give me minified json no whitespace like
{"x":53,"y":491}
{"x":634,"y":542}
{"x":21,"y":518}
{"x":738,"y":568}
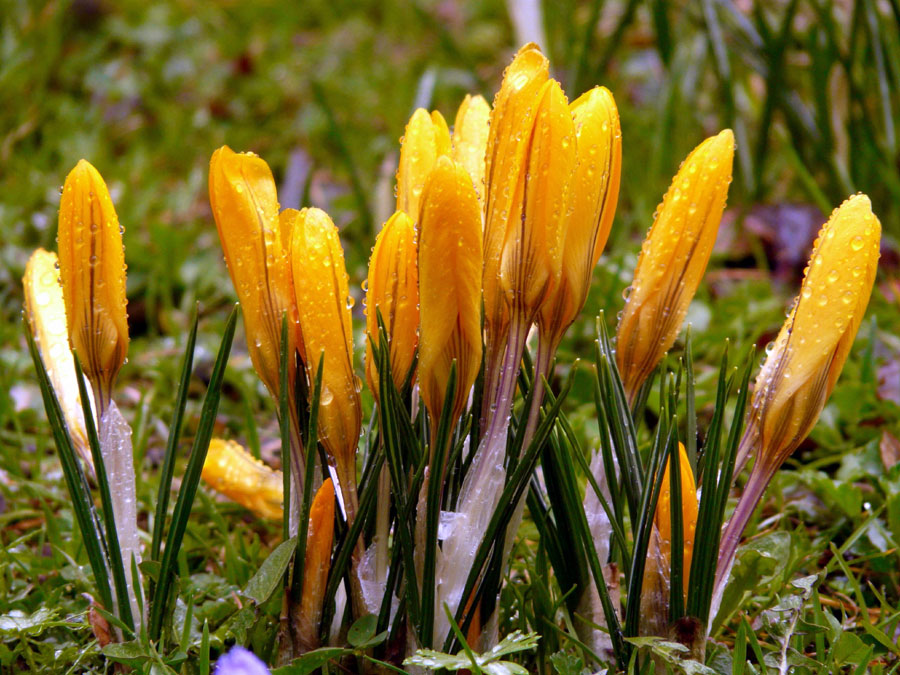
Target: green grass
{"x":147,"y":91}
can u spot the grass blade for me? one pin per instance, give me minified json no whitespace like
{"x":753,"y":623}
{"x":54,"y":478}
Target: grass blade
{"x":76,"y":482}
{"x":190,"y":481}
{"x":168,"y":466}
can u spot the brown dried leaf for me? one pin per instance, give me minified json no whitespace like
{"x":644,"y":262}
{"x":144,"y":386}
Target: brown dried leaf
{"x":889,"y":448}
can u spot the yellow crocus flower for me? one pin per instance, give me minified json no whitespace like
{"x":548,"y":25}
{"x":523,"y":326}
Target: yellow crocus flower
{"x":470,"y":138}
{"x":245,"y":207}
{"x":235,"y":473}
{"x":594,"y":195}
{"x":427,"y":137}
{"x":46,"y":314}
{"x":316,"y":566}
{"x":92,"y":273}
{"x":511,"y":123}
{"x":393,"y":289}
{"x":531,"y":260}
{"x":323,"y":301}
{"x":806,"y":358}
{"x":673,"y":259}
{"x":449,"y":287}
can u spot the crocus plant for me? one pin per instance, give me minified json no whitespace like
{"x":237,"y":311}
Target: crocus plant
{"x":499,"y":223}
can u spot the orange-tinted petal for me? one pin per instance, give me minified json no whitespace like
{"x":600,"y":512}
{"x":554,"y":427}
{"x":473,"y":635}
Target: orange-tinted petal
{"x":393,"y":289}
{"x":92,"y":272}
{"x":673,"y":259}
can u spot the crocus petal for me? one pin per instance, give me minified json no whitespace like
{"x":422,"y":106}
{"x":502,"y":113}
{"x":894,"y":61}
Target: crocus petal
{"x":426,"y":138}
{"x":532,"y":251}
{"x":449,"y":286}
{"x":92,"y":272}
{"x":512,"y":119}
{"x":393,"y":289}
{"x":245,"y":207}
{"x":232,"y":471}
{"x":689,"y":510}
{"x":673,"y":259}
{"x":240,"y":661}
{"x":323,"y":302}
{"x":470,"y":138}
{"x":46,"y":314}
{"x":316,"y":566}
{"x":594,"y":195}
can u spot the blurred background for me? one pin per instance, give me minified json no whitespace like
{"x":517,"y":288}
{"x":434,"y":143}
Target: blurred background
{"x":322,"y":90}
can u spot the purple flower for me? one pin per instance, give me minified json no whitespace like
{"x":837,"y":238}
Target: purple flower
{"x":240,"y":661}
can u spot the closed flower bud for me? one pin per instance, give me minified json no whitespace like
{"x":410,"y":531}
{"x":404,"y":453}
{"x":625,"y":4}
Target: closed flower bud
{"x":245,"y":207}
{"x":804,"y":362}
{"x":323,"y":301}
{"x":470,"y":137}
{"x":656,"y":587}
{"x":46,"y":314}
{"x":594,"y":195}
{"x":532,"y":251}
{"x":673,"y":260}
{"x":393,"y":289}
{"x":806,"y":358}
{"x":511,"y":122}
{"x":92,"y":272}
{"x":449,"y":287}
{"x":319,"y":539}
{"x":232,"y":471}
{"x":689,"y":512}
{"x":426,"y":138}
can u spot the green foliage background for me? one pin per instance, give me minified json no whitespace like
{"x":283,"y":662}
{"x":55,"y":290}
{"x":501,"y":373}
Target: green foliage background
{"x":322,"y":90}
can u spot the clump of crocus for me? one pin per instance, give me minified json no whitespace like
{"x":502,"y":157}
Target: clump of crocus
{"x":92,"y":273}
{"x":46,"y":315}
{"x":673,"y":260}
{"x":231,"y":470}
{"x":807,"y":357}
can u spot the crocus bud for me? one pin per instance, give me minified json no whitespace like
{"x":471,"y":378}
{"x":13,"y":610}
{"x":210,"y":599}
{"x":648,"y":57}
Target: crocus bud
{"x":511,"y":122}
{"x":92,"y":272}
{"x":532,"y":251}
{"x":315,"y":568}
{"x":673,"y":260}
{"x":426,"y":138}
{"x":470,"y":137}
{"x":245,"y":207}
{"x":689,"y":511}
{"x":232,"y":471}
{"x":393,"y":289}
{"x":594,"y":195}
{"x":449,"y":287}
{"x":806,"y":358}
{"x":46,"y":314}
{"x":656,"y":585}
{"x":323,"y":301}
